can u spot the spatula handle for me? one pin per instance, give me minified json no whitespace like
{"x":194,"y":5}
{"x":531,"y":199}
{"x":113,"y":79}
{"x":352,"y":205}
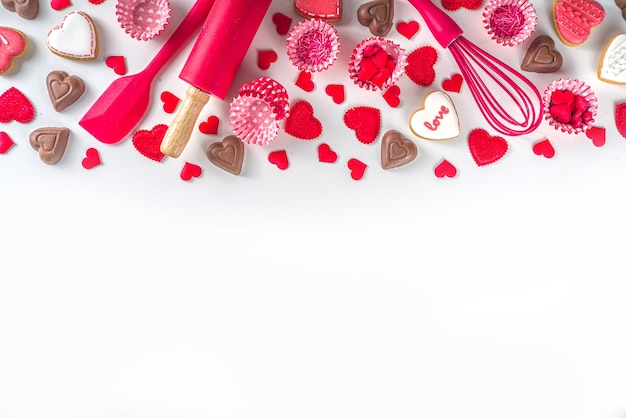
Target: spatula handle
{"x":444,"y":29}
{"x":182,"y":126}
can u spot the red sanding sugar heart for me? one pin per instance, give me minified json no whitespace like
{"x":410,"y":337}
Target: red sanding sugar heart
{"x":96,"y":1}
{"x":453,"y":84}
{"x":325,"y":154}
{"x":445,"y":169}
{"x":190,"y":171}
{"x":486,"y":149}
{"x":117,"y":63}
{"x":357,"y":168}
{"x":597,"y":135}
{"x":544,"y":148}
{"x":364,"y":121}
{"x":282,"y":22}
{"x":148,"y":143}
{"x":210,"y":126}
{"x":337,"y":92}
{"x":392,"y":96}
{"x":170,"y":101}
{"x":266,"y":58}
{"x":420,"y":65}
{"x":92,"y":159}
{"x":279,"y":159}
{"x":620,"y":118}
{"x":305,"y":81}
{"x":15,"y":106}
{"x":408,"y":29}
{"x":301,"y":123}
{"x":5,"y":142}
{"x":457,"y":4}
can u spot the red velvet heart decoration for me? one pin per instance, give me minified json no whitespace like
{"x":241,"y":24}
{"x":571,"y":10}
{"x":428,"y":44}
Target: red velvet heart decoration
{"x":92,"y":159}
{"x":301,"y":123}
{"x":364,"y":121}
{"x":305,"y":81}
{"x":620,"y":118}
{"x":279,"y":159}
{"x":15,"y":106}
{"x":445,"y":169}
{"x":544,"y":148}
{"x":170,"y":101}
{"x":408,"y":29}
{"x":486,"y":149}
{"x":5,"y":142}
{"x":597,"y":135}
{"x":148,"y":143}
{"x":457,"y":4}
{"x":337,"y":92}
{"x":357,"y":168}
{"x":190,"y":171}
{"x":282,"y":22}
{"x":420,"y":65}
{"x":211,"y":126}
{"x":117,"y":63}
{"x":392,"y":96}
{"x":453,"y":84}
{"x":266,"y":58}
{"x":325,"y":154}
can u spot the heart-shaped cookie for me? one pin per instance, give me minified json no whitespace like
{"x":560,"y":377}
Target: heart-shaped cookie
{"x":541,"y":57}
{"x":227,"y":154}
{"x":75,"y":38}
{"x":328,"y":10}
{"x":27,"y":9}
{"x":13,"y":44}
{"x":437,"y":119}
{"x":613,"y":61}
{"x":574,"y":19}
{"x":64,"y":89}
{"x":50,"y":143}
{"x":377,"y":15}
{"x":396,"y":150}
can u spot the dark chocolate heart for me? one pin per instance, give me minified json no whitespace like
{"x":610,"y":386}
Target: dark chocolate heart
{"x":377,"y":15}
{"x":227,"y":154}
{"x":541,"y":57}
{"x":27,"y":9}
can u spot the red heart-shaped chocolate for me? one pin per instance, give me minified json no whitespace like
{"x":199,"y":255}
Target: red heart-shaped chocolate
{"x":337,"y":92}
{"x":486,"y":149}
{"x":190,"y":171}
{"x":408,"y":29}
{"x":357,"y":168}
{"x":266,"y":58}
{"x":445,"y":169}
{"x":279,"y":159}
{"x":453,"y":84}
{"x":325,"y":154}
{"x":544,"y":148}
{"x":282,"y":22}
{"x":305,"y":81}
{"x":392,"y":96}
{"x":210,"y":126}
{"x":92,"y":158}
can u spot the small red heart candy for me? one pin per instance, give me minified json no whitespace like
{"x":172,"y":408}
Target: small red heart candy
{"x":445,"y":169}
{"x":380,"y":58}
{"x":453,"y":84}
{"x":561,"y":112}
{"x":279,"y":159}
{"x":211,"y":126}
{"x":620,"y":118}
{"x":5,"y":142}
{"x":117,"y":63}
{"x":60,"y":4}
{"x":325,"y":154}
{"x":357,"y":168}
{"x":282,"y":22}
{"x":266,"y":58}
{"x":92,"y":159}
{"x":305,"y":81}
{"x":562,"y":97}
{"x":408,"y":29}
{"x":580,"y":104}
{"x":392,"y":96}
{"x":367,"y":69}
{"x":337,"y":92}
{"x":544,"y":148}
{"x":170,"y":101}
{"x":190,"y":171}
{"x":597,"y":135}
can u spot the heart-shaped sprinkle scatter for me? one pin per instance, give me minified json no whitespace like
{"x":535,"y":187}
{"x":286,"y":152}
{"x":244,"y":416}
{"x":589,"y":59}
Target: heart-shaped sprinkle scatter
{"x":597,"y":135}
{"x":377,"y":15}
{"x":544,"y":148}
{"x":325,"y":154}
{"x":357,"y":168}
{"x":457,"y":4}
{"x":337,"y":92}
{"x":445,"y":169}
{"x":328,"y":10}
{"x":117,"y":63}
{"x":437,"y":119}
{"x":50,"y":143}
{"x":364,"y":121}
{"x":620,"y":118}
{"x":541,"y":57}
{"x":227,"y":154}
{"x":420,"y":65}
{"x":148,"y":142}
{"x":392,"y":96}
{"x":190,"y":171}
{"x":305,"y":81}
{"x":396,"y":150}
{"x":279,"y":159}
{"x":574,"y":19}
{"x":486,"y":149}
{"x":92,"y":159}
{"x":301,"y":123}
{"x":282,"y":22}
{"x":611,"y":66}
{"x":13,"y":44}
{"x":453,"y":84}
{"x":64,"y":89}
{"x":15,"y":106}
{"x":266,"y":58}
{"x":408,"y":29}
{"x":26,"y":9}
{"x":210,"y":126}
{"x":60,"y":4}
{"x":75,"y":38}
{"x":96,"y":1}
{"x":170,"y":101}
{"x":5,"y":142}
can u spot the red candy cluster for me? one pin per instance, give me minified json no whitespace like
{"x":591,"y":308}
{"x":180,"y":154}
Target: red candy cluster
{"x":376,"y":66}
{"x":568,"y":108}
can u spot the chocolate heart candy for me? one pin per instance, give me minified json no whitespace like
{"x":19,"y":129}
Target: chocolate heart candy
{"x":50,"y":142}
{"x":622,"y":5}
{"x":27,"y":9}
{"x":396,"y":150}
{"x":377,"y":16}
{"x":227,"y":154}
{"x":541,"y":57}
{"x":64,"y":89}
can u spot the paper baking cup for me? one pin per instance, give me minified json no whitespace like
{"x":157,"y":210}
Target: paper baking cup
{"x":253,"y":120}
{"x":313,"y":45}
{"x":510,"y":22}
{"x":270,"y":91}
{"x":143,"y":19}
{"x":578,"y":88}
{"x":395,"y":52}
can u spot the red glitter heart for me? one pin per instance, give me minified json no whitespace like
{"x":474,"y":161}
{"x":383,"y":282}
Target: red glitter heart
{"x":92,"y":159}
{"x":325,"y":154}
{"x":15,"y":106}
{"x":337,"y":92}
{"x":266,"y":58}
{"x":457,"y":4}
{"x":620,"y":118}
{"x":408,"y":29}
{"x":305,"y":81}
{"x":60,"y":4}
{"x":420,"y":65}
{"x":190,"y":171}
{"x":279,"y":159}
{"x":148,"y":143}
{"x":210,"y":126}
{"x":170,"y":101}
{"x":597,"y":135}
{"x":392,"y":96}
{"x":282,"y":22}
{"x":365,"y":122}
{"x":5,"y":142}
{"x":357,"y":168}
{"x":301,"y":123}
{"x":445,"y":169}
{"x":544,"y":148}
{"x":117,"y":63}
{"x":486,"y":149}
{"x":453,"y":84}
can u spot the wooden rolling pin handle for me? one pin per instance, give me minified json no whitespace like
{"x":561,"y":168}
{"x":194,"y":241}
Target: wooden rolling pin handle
{"x":181,"y":128}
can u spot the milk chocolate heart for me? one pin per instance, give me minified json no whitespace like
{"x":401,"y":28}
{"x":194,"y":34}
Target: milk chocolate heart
{"x":541,"y":57}
{"x":574,"y":19}
{"x":622,"y":5}
{"x":27,"y":9}
{"x":227,"y":154}
{"x":613,"y":61}
{"x":377,"y":15}
{"x":64,"y":89}
{"x":50,"y":142}
{"x":396,"y":150}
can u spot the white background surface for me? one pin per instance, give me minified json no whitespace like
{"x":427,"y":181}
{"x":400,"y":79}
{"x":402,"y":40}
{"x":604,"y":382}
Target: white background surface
{"x":126,"y":292}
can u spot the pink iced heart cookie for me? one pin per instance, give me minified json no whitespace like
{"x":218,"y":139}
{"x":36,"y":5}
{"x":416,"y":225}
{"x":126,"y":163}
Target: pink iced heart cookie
{"x":75,"y":38}
{"x":437,"y":119}
{"x":13,"y":44}
{"x":611,"y":66}
{"x":574,"y":19}
{"x":328,"y":10}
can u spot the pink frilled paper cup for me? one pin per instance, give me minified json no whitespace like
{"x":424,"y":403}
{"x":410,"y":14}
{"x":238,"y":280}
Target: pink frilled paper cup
{"x":376,"y":64}
{"x":143,"y":19}
{"x":313,"y":45}
{"x":584,"y":104}
{"x":510,"y":22}
{"x":257,"y":109}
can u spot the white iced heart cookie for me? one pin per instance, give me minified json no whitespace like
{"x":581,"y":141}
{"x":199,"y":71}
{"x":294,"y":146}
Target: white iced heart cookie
{"x":612,"y":66}
{"x":437,"y":119}
{"x":75,"y":38}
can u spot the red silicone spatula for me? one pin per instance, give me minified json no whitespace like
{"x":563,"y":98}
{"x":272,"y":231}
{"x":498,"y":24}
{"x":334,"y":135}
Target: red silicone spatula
{"x":122,"y":105}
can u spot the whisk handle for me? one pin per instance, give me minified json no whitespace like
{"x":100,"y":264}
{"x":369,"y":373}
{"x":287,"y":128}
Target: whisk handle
{"x":443,"y":27}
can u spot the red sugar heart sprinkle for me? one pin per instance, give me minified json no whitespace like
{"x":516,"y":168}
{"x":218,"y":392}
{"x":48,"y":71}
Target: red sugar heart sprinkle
{"x":365,"y":121}
{"x":445,"y":169}
{"x":486,"y":149}
{"x":305,"y":81}
{"x":325,"y":154}
{"x":407,"y":29}
{"x":148,"y":142}
{"x":15,"y":106}
{"x":266,"y":58}
{"x":279,"y":159}
{"x":620,"y":118}
{"x":117,"y":63}
{"x":420,"y":65}
{"x":453,"y":84}
{"x":170,"y":101}
{"x":392,"y":96}
{"x":597,"y":135}
{"x":337,"y":92}
{"x":190,"y":171}
{"x":92,"y":159}
{"x":357,"y":168}
{"x":210,"y":126}
{"x":5,"y":142}
{"x":282,"y":22}
{"x":60,"y":4}
{"x":544,"y":148}
{"x":301,"y":123}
